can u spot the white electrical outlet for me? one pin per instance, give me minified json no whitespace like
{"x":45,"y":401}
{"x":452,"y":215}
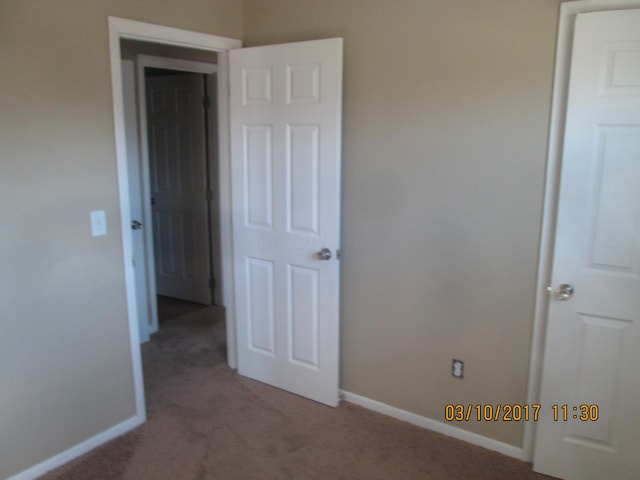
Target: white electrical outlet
{"x":457,"y":368}
{"x":98,"y":223}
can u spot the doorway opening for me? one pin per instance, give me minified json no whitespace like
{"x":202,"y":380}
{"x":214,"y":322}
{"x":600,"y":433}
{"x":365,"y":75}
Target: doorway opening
{"x":180,"y":123}
{"x":173,"y":157}
{"x":157,"y":36}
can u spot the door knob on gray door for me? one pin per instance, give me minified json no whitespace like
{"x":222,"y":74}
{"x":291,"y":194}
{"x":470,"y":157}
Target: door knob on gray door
{"x":564,"y":292}
{"x":136,"y":225}
{"x":324,"y":254}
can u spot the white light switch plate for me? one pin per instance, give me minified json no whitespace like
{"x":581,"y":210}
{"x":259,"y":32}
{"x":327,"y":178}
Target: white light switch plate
{"x":98,"y":223}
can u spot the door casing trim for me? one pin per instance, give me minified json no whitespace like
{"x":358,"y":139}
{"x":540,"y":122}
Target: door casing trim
{"x":568,"y":13}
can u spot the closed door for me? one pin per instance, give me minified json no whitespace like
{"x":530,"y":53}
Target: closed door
{"x":285,"y":108}
{"x":590,"y":419}
{"x":178,"y":171}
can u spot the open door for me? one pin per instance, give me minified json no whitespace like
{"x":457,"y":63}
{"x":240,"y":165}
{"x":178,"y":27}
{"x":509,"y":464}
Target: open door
{"x":285,"y":125}
{"x":589,"y":422}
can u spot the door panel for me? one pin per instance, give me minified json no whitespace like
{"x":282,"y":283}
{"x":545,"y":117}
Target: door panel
{"x":303,"y":294}
{"x":285,"y":144}
{"x":592,"y":354}
{"x":260,"y":292}
{"x":177,"y":160}
{"x":257,"y":172}
{"x":303,"y":178}
{"x":616,"y":199}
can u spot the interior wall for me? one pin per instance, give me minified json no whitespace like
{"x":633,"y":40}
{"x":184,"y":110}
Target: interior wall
{"x":446,"y":118}
{"x":64,"y":339}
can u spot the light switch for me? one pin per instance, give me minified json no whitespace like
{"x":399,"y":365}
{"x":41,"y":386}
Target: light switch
{"x":98,"y":223}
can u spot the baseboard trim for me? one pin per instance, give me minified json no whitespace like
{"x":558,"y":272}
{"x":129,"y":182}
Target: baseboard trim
{"x":79,"y":449}
{"x":434,"y":425}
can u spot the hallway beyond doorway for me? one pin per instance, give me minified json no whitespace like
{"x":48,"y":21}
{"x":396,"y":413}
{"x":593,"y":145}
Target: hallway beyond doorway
{"x":171,"y":308}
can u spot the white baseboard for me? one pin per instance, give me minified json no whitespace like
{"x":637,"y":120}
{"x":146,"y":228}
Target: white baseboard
{"x":80,"y":449}
{"x":434,"y":425}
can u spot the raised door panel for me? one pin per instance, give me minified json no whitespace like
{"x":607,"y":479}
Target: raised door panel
{"x":285,"y":141}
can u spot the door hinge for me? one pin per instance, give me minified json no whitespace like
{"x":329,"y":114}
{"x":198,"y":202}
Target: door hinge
{"x":212,"y":283}
{"x":206,"y":101}
{"x":209,"y":195}
{"x":338,"y":254}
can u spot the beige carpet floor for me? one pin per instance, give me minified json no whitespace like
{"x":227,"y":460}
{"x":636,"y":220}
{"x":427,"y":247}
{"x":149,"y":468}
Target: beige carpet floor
{"x":206,"y":422}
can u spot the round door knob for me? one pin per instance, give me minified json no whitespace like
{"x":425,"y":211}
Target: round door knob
{"x":564,"y":292}
{"x":324,"y":254}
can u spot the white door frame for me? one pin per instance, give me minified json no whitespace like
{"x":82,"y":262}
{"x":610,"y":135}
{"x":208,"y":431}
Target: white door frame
{"x":120,"y":28}
{"x":142,"y":62}
{"x":568,"y":13}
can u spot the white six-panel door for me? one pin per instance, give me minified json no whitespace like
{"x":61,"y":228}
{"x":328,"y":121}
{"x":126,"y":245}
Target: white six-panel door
{"x":285,"y":106}
{"x":177,"y":164}
{"x":592,"y":354}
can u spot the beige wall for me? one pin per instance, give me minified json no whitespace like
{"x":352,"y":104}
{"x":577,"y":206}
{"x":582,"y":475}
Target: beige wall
{"x":445,"y":129}
{"x":65,"y":366}
{"x":446,"y":114}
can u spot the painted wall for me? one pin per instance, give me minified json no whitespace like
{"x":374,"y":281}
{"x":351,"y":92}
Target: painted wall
{"x":446,"y":117}
{"x":445,"y":131}
{"x":65,"y":366}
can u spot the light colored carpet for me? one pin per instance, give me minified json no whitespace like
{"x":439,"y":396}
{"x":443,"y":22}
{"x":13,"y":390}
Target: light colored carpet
{"x":207,"y":422}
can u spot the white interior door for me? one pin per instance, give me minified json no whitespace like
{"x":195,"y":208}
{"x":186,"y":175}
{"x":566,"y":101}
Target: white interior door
{"x":592,"y":353}
{"x":177,"y":161}
{"x":285,"y":107}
